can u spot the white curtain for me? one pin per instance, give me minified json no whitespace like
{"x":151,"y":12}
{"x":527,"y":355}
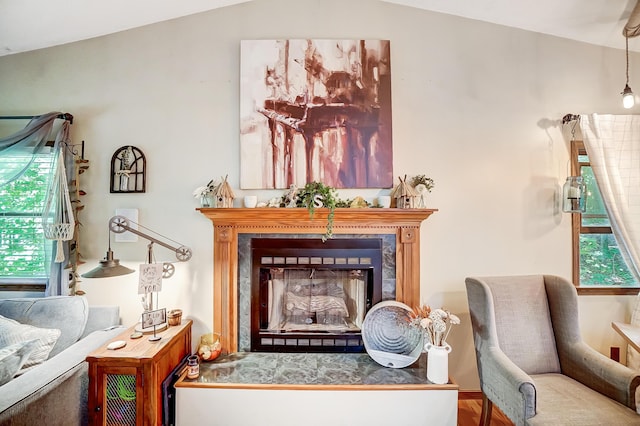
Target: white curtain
{"x":21,"y":148}
{"x":613,"y":146}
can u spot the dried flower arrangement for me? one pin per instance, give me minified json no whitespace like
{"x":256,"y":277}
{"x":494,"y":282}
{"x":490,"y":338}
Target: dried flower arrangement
{"x":435,"y":323}
{"x":206,"y":190}
{"x":422,"y":183}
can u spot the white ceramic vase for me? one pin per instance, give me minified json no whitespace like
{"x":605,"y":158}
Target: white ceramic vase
{"x":438,"y":363}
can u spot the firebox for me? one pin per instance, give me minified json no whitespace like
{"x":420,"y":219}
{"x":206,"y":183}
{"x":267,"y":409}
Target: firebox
{"x":312,"y":296}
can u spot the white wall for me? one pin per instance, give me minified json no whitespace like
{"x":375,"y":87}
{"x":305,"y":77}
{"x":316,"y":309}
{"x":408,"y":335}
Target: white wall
{"x":475,"y":106}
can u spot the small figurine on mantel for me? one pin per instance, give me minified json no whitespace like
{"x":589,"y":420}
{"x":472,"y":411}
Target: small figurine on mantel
{"x":404,"y":194}
{"x":291,"y":197}
{"x":224,"y":194}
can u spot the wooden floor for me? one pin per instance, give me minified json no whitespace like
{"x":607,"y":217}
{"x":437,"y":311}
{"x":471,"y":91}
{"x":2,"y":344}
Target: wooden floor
{"x":469,"y":414}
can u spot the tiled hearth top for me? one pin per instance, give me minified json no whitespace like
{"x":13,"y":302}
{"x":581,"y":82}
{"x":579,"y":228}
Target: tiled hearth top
{"x":307,"y":369}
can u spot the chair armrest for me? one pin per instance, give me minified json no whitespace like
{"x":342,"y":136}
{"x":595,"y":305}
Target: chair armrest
{"x":507,"y":385}
{"x":588,"y":366}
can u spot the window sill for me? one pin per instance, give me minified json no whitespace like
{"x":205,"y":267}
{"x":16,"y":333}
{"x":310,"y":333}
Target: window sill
{"x":23,"y":284}
{"x":614,"y":291}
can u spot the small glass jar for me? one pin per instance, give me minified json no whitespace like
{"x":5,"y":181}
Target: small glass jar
{"x":207,"y":200}
{"x":193,"y":367}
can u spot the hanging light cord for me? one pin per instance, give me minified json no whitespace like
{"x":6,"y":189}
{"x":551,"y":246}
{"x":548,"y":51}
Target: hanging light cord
{"x":626,"y":39}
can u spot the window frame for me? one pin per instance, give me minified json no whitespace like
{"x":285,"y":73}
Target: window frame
{"x":578,"y":149}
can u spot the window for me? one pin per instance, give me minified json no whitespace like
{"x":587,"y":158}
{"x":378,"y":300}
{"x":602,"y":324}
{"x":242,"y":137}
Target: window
{"x":598,"y":266}
{"x":25,"y":252}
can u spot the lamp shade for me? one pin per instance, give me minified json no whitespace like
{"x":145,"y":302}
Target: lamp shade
{"x":109,"y":267}
{"x":574,"y":195}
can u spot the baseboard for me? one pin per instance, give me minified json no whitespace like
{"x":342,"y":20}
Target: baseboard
{"x":470,"y":395}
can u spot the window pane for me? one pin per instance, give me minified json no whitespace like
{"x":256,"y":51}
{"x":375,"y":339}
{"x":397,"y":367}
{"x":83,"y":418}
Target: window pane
{"x":601,"y":262}
{"x":25,"y":251}
{"x":596,"y":214}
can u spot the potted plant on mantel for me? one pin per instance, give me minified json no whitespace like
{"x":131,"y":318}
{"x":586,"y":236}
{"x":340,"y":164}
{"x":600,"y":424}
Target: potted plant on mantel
{"x":316,"y":195}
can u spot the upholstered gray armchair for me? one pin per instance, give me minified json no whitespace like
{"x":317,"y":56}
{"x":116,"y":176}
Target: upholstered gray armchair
{"x":532,"y":361}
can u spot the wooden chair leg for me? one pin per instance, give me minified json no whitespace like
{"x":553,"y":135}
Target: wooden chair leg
{"x":487,"y":407}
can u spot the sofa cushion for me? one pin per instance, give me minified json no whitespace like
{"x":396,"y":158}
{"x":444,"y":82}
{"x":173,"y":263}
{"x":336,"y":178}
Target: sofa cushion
{"x":12,"y":332}
{"x":13,"y":357}
{"x":66,"y":313}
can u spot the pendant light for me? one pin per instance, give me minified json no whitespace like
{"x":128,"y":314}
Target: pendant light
{"x":627,"y":95}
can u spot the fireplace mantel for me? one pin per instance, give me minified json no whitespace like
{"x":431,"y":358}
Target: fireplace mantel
{"x":228,"y":223}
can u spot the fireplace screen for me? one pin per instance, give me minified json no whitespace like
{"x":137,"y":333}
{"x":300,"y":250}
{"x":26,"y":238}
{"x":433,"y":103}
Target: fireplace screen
{"x":316,"y":299}
{"x":313,"y":299}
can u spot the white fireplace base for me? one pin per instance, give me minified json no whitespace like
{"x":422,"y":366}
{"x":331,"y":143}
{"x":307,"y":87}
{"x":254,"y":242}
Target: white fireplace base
{"x":196,"y":406}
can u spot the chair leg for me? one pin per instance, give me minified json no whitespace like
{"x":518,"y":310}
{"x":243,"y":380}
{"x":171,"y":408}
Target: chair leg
{"x":487,"y":407}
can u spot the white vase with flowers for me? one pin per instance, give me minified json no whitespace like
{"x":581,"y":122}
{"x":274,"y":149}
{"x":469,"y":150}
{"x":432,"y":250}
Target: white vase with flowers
{"x":436,"y":325}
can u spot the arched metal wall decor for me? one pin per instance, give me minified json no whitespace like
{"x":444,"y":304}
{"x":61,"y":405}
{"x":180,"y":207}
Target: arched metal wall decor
{"x":128,"y":170}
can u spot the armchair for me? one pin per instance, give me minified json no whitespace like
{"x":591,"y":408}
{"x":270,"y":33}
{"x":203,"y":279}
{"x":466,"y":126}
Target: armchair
{"x":532,"y":361}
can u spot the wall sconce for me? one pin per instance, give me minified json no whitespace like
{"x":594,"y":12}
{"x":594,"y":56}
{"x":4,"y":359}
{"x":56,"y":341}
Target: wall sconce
{"x":628,"y":99}
{"x":574,"y":195}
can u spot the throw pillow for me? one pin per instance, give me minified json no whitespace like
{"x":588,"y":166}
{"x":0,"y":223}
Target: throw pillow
{"x":13,"y":357}
{"x":12,"y":332}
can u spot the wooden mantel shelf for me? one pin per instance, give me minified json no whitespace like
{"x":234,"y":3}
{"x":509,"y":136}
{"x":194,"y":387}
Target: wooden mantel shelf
{"x":346,"y":217}
{"x":229,"y":222}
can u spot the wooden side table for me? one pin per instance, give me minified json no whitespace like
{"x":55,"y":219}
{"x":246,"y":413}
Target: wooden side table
{"x":125,"y":385}
{"x":630,"y":333}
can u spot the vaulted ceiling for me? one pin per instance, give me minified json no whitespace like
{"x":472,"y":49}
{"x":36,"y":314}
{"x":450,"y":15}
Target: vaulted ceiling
{"x":34,"y":24}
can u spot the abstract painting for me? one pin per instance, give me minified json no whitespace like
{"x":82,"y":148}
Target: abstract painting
{"x":315,"y":110}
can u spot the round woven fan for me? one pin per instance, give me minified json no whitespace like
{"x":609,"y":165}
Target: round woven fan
{"x":389,"y":338}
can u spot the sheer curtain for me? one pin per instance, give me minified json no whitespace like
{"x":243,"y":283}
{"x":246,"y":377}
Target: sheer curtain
{"x":22,"y":147}
{"x":613,"y":146}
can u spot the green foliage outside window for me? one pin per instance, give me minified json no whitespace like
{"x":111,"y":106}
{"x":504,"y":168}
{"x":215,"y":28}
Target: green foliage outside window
{"x":24,"y":250}
{"x":601,"y":263}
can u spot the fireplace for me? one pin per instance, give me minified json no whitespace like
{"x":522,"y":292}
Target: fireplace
{"x":312,"y":296}
{"x":236,"y":228}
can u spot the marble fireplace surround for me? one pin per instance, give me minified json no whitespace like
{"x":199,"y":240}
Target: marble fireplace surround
{"x":230,"y":223}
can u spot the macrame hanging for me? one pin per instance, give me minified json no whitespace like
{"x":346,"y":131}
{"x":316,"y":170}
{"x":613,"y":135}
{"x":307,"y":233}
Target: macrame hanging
{"x":58,"y":222}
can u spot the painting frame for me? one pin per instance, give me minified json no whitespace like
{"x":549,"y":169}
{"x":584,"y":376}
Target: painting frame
{"x":315,"y":110}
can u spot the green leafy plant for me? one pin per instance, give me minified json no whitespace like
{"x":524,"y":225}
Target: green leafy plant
{"x":315,"y":195}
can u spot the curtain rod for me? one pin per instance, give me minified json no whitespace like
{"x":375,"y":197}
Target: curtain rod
{"x":569,"y":118}
{"x":63,"y":116}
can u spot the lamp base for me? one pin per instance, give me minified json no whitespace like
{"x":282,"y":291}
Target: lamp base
{"x":150,"y":330}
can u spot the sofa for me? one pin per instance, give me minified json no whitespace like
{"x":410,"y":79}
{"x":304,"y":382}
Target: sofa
{"x":54,"y":390}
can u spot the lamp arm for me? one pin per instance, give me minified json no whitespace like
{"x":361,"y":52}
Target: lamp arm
{"x":120,"y":224}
